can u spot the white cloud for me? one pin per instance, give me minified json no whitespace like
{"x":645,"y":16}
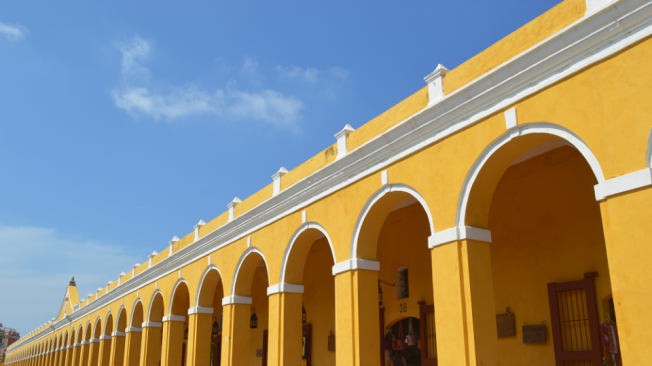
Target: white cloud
{"x":250,"y":66}
{"x":132,"y":54}
{"x":12,"y":32}
{"x":308,"y":74}
{"x":134,"y":97}
{"x":38,"y":264}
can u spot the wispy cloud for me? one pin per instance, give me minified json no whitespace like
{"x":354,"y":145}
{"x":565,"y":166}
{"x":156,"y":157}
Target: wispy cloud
{"x":308,"y":74}
{"x":311,"y":74}
{"x":41,"y":261}
{"x":12,"y":32}
{"x":250,"y":66}
{"x":229,"y":103}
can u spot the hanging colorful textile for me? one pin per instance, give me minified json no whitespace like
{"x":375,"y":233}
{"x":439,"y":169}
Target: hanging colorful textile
{"x":610,"y":345}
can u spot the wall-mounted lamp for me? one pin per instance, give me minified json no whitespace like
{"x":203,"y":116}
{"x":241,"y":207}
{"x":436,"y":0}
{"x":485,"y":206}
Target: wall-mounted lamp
{"x":253,"y":323}
{"x":303,"y":314}
{"x":216,"y":328}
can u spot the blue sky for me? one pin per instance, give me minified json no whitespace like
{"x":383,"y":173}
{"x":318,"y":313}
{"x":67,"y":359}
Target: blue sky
{"x":125,"y":122}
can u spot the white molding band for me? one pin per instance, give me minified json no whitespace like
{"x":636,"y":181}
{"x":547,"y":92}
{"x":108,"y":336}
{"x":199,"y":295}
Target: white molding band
{"x":174,"y":318}
{"x":200,"y":310}
{"x":118,"y":334}
{"x":105,"y":338}
{"x":236,"y":300}
{"x":152,"y":324}
{"x":284,"y":287}
{"x":76,"y":344}
{"x":624,"y":183}
{"x":593,"y":6}
{"x":94,"y":340}
{"x":85,"y":343}
{"x":352,"y":264}
{"x":133,"y":329}
{"x":461,"y":233}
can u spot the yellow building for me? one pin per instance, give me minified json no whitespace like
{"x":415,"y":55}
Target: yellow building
{"x":503,"y":211}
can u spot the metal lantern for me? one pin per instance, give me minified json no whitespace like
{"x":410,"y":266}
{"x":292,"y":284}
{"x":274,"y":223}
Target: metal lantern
{"x":380,"y":295}
{"x":216,"y":328}
{"x":185,"y":334}
{"x":253,"y":324}
{"x":303,"y":314}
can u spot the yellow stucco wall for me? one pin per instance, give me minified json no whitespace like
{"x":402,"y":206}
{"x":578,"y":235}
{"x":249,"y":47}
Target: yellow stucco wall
{"x":604,"y":105}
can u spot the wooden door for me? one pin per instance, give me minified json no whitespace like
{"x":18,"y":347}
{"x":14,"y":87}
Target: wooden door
{"x":575,"y":328}
{"x":382,"y":335}
{"x":428,"y":334}
{"x":217,"y":351}
{"x":307,"y":333}
{"x":265,"y":348}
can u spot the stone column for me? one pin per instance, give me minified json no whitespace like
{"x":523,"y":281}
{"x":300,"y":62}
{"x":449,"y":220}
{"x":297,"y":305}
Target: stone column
{"x":357,"y":334}
{"x":150,"y":351}
{"x":117,"y":348}
{"x":464,"y":301}
{"x":104,"y":354}
{"x":285,"y":331}
{"x":626,"y":219}
{"x":173,"y":333}
{"x":198,"y":349}
{"x":133,"y":338}
{"x":94,"y":352}
{"x":235,"y":330}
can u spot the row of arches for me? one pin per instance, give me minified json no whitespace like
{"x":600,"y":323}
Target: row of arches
{"x":169,"y":329}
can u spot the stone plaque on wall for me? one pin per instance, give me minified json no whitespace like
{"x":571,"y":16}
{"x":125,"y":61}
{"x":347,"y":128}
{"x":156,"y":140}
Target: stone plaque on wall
{"x":506,"y":325}
{"x":534,"y":334}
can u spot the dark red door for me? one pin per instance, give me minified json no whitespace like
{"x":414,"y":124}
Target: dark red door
{"x":574,"y":316}
{"x":265,"y":347}
{"x":307,"y":334}
{"x":428,"y":334}
{"x":217,"y":351}
{"x":382,"y":335}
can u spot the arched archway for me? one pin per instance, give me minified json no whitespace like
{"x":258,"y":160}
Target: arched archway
{"x":94,"y":349}
{"x":76,"y":341}
{"x":305,"y":295}
{"x":152,"y":331}
{"x":116,"y":357}
{"x":175,"y":325}
{"x":205,"y":320}
{"x":248,"y":301}
{"x":133,"y":335}
{"x":533,"y":190}
{"x":392,"y":231}
{"x":70,"y":350}
{"x":106,"y":341}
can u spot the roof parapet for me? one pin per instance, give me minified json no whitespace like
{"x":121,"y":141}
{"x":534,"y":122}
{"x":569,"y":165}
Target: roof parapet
{"x":435,"y":82}
{"x":342,"y":141}
{"x":276,"y":178}
{"x":231,"y":207}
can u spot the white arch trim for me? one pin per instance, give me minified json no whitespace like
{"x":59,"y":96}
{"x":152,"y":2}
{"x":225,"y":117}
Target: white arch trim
{"x":244,"y":255}
{"x":106,"y":319}
{"x":117,"y":318}
{"x":210,"y":268}
{"x":387,"y":188}
{"x":530,"y":128}
{"x":286,"y":256}
{"x":174,"y":291}
{"x":151,"y":303}
{"x":133,"y":309}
